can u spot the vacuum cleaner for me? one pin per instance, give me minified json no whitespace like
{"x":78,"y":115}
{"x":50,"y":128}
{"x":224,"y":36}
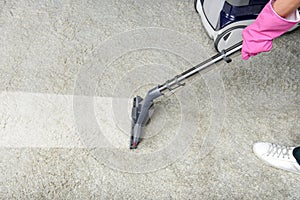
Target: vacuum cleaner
{"x":224,"y":22}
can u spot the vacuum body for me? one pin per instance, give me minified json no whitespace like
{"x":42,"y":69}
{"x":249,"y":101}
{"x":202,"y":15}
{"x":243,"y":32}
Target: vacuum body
{"x":224,"y":21}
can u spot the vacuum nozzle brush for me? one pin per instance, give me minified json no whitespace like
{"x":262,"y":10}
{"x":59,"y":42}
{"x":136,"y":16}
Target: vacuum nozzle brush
{"x":141,"y":111}
{"x":136,"y":129}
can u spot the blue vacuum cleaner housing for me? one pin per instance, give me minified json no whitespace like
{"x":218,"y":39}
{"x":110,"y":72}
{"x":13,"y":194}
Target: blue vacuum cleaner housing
{"x":231,"y":13}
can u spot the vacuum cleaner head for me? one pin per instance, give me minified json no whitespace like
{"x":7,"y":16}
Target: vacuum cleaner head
{"x":141,"y":112}
{"x":136,"y":129}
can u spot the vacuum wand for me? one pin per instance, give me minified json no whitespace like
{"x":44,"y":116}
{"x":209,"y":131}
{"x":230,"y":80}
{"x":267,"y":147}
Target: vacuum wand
{"x":143,"y":108}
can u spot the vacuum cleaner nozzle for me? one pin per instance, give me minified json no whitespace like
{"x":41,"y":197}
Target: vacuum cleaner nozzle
{"x":135,"y":129}
{"x":140,"y":114}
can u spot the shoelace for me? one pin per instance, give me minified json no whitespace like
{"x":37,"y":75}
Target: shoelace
{"x":277,"y":150}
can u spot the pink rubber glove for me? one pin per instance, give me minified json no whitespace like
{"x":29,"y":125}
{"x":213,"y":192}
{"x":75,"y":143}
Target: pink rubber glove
{"x":258,"y":36}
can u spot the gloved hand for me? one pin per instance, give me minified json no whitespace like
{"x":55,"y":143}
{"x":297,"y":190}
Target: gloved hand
{"x":258,"y":36}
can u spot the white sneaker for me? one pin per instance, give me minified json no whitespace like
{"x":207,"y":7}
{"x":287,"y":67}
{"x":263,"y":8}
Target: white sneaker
{"x":277,"y":156}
